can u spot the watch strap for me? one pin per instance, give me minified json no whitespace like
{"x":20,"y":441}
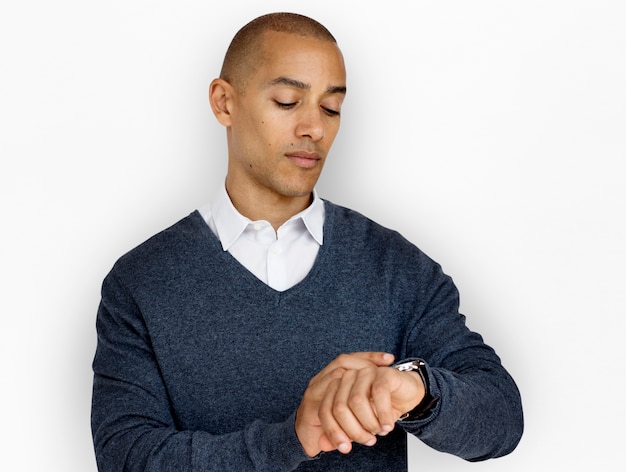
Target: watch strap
{"x":429,"y":401}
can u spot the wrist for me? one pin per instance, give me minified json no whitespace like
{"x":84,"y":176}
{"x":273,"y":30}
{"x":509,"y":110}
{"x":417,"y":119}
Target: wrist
{"x":310,"y":446}
{"x":427,"y":402}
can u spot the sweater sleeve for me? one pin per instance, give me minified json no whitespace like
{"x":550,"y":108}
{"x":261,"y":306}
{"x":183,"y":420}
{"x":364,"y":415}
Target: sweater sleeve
{"x":133,"y":426}
{"x":479,"y":415}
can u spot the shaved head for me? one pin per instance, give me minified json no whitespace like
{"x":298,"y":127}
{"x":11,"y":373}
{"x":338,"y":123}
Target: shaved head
{"x":246,"y":51}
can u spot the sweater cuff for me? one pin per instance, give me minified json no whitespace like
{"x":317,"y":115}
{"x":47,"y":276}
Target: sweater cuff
{"x":284,"y":451}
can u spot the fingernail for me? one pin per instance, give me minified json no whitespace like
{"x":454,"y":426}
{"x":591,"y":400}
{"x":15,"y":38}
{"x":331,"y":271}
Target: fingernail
{"x":387,"y":428}
{"x":343,"y":447}
{"x":371,"y":442}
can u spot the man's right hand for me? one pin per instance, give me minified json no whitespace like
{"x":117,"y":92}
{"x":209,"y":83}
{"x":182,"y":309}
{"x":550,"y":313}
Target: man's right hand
{"x":308,"y":425}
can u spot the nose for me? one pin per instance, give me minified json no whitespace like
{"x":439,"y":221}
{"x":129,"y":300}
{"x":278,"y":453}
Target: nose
{"x":311,"y":124}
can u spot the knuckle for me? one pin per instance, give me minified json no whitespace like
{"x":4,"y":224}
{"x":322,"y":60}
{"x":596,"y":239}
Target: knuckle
{"x":343,"y":358}
{"x":340,"y":410}
{"x":362,"y":437}
{"x":334,"y":432}
{"x":358,"y":401}
{"x":334,"y":378}
{"x":350,"y":374}
{"x":379,"y":388}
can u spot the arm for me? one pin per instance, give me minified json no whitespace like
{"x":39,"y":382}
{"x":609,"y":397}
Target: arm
{"x":478,"y":414}
{"x":134,"y":428}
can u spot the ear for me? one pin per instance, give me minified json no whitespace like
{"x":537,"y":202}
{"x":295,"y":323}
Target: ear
{"x":221,"y":97}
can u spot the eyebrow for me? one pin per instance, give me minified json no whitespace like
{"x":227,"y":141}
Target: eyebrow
{"x":341,"y":89}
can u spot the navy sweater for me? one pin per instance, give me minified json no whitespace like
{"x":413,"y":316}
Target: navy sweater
{"x":200,"y":366}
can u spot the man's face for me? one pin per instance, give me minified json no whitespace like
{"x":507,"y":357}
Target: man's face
{"x":285,"y":121}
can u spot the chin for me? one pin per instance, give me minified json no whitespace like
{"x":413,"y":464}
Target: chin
{"x":297,"y":189}
{"x":297,"y":193}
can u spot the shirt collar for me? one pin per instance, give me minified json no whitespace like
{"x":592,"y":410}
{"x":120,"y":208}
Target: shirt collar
{"x":230,"y":224}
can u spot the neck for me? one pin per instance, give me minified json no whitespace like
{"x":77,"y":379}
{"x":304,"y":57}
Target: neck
{"x":271,"y":207}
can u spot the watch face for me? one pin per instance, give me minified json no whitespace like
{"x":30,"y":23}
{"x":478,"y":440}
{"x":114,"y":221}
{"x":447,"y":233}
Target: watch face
{"x":411,"y":365}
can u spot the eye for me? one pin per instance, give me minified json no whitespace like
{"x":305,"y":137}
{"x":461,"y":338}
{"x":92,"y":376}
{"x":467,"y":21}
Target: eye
{"x":330,"y":111}
{"x":286,"y":106}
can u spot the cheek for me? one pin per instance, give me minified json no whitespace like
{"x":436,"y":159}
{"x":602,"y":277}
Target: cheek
{"x":331,"y":131}
{"x":275,"y":134}
{"x":253,"y":137}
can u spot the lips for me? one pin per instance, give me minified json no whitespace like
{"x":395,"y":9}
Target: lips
{"x":304,"y":159}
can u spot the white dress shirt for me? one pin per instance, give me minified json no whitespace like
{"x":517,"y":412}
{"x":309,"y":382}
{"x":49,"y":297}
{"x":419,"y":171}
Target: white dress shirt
{"x":280,"y":259}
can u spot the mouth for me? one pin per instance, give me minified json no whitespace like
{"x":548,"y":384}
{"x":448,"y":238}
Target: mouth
{"x":304,"y":159}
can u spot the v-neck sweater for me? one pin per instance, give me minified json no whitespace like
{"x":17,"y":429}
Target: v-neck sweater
{"x":200,"y":366}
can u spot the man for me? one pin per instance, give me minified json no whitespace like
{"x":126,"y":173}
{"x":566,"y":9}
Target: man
{"x":272,"y":330}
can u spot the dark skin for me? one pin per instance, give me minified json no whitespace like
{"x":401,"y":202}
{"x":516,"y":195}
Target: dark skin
{"x":279,"y":131}
{"x":281,"y":127}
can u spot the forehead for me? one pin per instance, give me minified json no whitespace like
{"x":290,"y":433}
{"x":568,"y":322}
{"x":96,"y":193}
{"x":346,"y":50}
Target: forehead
{"x":302,"y":58}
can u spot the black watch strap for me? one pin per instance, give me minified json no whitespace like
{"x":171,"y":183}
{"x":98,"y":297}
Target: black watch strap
{"x":428,"y":402}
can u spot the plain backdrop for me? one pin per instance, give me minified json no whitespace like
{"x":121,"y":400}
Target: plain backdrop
{"x":489,"y":133}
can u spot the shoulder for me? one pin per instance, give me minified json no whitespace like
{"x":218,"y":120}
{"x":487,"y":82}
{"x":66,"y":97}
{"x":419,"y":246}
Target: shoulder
{"x":345,"y":224}
{"x":166,"y":249}
{"x":365,"y":247}
{"x":351,"y":233}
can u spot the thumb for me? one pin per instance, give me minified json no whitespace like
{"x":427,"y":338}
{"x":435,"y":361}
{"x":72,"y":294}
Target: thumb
{"x":380,"y":359}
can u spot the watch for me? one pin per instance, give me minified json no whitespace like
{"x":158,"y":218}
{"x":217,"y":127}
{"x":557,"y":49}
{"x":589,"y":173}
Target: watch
{"x":428,"y":402}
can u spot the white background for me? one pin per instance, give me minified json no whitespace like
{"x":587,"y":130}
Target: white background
{"x":490,"y":133}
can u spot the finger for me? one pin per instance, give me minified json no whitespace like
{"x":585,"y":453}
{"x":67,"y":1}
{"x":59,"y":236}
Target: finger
{"x":333,"y":432}
{"x":308,"y":427}
{"x":325,"y":445}
{"x":359,"y":360}
{"x":375,"y":357}
{"x":352,"y":408}
{"x":381,"y":392}
{"x":355,"y":360}
{"x":360,"y":400}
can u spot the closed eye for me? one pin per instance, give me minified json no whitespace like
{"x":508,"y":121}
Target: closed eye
{"x":286,"y":106}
